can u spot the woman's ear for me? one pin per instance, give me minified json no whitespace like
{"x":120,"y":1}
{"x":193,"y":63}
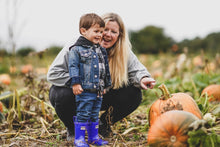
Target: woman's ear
{"x":82,"y":31}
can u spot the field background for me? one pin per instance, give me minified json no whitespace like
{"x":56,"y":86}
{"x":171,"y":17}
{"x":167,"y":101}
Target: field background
{"x":31,"y":121}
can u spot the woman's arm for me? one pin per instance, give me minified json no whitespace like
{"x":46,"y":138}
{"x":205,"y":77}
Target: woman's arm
{"x":136,"y":70}
{"x":58,"y":73}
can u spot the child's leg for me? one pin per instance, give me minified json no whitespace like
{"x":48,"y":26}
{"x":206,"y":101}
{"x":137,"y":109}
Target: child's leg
{"x":94,"y":117}
{"x":84,"y":104}
{"x":93,"y":125}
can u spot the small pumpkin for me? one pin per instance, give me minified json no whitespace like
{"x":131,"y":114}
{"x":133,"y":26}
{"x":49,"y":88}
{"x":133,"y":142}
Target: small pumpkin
{"x":170,"y":129}
{"x":213,"y":91}
{"x":5,"y":79}
{"x":197,"y":61}
{"x":1,"y":107}
{"x":26,"y":68}
{"x":175,"y":101}
{"x":157,"y":73}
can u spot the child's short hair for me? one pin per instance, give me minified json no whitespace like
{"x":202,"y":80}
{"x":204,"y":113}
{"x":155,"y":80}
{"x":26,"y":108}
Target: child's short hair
{"x":90,"y":19}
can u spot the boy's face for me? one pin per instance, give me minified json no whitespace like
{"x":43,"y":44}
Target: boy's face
{"x":93,"y":34}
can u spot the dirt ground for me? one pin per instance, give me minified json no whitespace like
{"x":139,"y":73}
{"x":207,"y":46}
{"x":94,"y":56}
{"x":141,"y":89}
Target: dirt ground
{"x":129,"y":132}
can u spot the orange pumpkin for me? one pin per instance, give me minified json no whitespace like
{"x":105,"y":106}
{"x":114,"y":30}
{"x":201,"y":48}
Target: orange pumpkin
{"x":5,"y":79}
{"x":176,"y":101}
{"x":26,"y":68}
{"x":156,"y":74}
{"x":197,"y":61}
{"x":170,"y":129}
{"x":1,"y":107}
{"x":213,"y":91}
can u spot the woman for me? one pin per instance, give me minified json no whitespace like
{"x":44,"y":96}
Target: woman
{"x":128,"y":76}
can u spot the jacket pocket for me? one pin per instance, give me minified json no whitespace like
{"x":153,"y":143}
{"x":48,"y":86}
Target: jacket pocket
{"x":86,"y":56}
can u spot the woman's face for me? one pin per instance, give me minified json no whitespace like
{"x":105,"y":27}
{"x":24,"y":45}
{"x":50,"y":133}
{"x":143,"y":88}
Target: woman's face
{"x":110,"y":34}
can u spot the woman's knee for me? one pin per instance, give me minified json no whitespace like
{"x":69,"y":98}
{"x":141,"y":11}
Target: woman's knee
{"x":129,"y":95}
{"x":51,"y":96}
{"x":126,"y":96}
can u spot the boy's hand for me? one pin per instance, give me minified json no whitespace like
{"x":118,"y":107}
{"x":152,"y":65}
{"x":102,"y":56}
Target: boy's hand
{"x":147,"y":83}
{"x":77,"y":89}
{"x":104,"y":91}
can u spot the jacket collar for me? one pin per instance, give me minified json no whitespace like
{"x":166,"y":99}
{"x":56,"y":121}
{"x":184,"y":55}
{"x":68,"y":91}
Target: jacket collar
{"x":82,"y":41}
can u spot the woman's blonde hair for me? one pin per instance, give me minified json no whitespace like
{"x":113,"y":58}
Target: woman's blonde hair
{"x":118,"y":54}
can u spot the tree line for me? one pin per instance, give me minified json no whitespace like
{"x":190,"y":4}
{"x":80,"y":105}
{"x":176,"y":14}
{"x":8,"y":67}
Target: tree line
{"x":152,"y":39}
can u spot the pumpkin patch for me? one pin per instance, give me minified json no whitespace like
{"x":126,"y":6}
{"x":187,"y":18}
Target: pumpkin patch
{"x":28,"y":118}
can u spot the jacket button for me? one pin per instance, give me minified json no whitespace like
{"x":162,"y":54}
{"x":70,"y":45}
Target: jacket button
{"x":95,"y":76}
{"x":94,"y":86}
{"x":94,"y":56}
{"x":95,"y":66}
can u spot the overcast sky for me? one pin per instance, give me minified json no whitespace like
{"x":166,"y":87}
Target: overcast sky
{"x":42,"y":23}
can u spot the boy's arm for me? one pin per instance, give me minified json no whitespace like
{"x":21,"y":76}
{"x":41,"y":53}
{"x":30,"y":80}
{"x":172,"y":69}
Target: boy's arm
{"x":74,"y":67}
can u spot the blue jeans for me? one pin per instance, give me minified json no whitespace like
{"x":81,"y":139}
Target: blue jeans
{"x":88,"y":106}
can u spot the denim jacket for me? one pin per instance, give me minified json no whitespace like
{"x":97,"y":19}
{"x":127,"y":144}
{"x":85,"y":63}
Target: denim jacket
{"x":84,"y":65}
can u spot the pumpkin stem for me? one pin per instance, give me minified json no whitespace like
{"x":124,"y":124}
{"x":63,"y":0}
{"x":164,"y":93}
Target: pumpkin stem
{"x":173,"y":139}
{"x":165,"y":92}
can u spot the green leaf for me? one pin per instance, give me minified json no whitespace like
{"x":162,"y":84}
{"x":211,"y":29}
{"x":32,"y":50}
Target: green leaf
{"x":203,"y":139}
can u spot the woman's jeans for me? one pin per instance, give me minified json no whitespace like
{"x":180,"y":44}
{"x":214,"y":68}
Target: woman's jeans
{"x":116,"y":104}
{"x":88,"y":106}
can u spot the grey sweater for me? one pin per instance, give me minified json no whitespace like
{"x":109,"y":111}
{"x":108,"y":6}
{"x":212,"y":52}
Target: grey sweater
{"x":58,"y":73}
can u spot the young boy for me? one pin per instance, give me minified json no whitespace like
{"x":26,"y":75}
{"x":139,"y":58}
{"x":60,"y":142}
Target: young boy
{"x":89,"y":73}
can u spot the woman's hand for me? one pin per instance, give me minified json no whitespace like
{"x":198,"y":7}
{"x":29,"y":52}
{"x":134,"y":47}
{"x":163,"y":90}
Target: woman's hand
{"x":147,"y":82}
{"x":77,"y":89}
